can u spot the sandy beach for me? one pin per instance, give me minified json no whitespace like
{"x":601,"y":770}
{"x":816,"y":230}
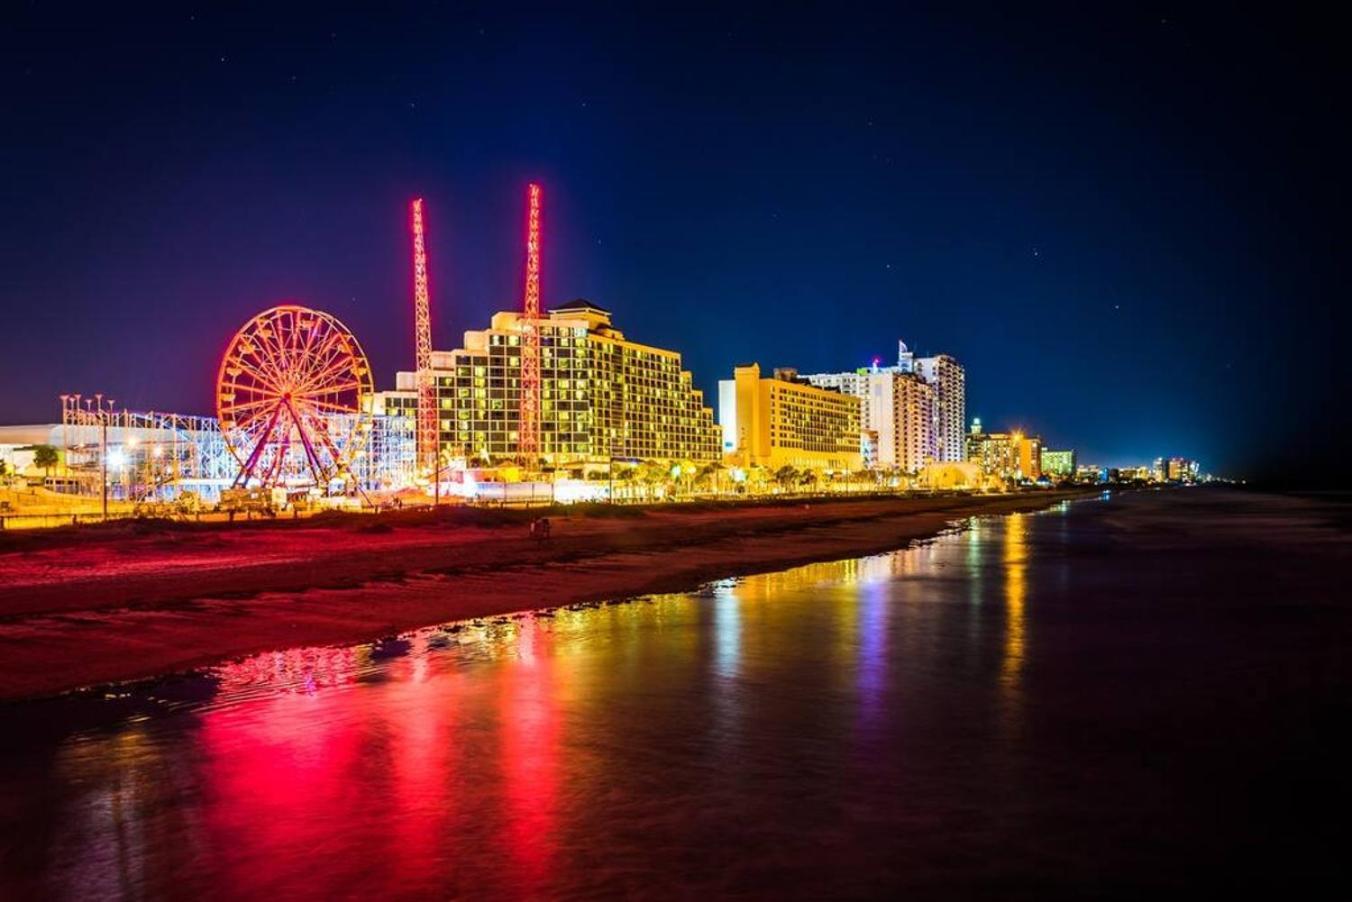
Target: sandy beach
{"x":86,"y":607}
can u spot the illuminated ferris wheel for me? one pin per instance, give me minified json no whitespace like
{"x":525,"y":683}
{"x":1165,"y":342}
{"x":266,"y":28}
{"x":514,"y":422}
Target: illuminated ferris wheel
{"x":293,"y":397}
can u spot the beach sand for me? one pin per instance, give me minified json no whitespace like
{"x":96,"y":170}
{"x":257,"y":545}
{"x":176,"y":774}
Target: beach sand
{"x":106,"y":604}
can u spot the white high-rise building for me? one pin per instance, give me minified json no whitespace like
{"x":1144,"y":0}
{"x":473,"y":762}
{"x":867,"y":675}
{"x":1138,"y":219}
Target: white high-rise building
{"x":949,"y":381}
{"x":917,"y":408}
{"x":897,"y":407}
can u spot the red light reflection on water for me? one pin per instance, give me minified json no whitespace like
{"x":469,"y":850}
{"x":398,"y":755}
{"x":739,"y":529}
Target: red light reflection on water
{"x":402,"y":778}
{"x":530,"y":748}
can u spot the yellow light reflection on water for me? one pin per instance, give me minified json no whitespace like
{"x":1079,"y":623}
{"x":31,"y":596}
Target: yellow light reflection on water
{"x":1015,"y":559}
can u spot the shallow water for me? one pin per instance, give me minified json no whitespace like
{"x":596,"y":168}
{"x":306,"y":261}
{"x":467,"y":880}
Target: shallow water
{"x":1116,"y":696}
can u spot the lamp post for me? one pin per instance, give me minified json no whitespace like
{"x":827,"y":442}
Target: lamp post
{"x":104,"y":414}
{"x":436,"y":480}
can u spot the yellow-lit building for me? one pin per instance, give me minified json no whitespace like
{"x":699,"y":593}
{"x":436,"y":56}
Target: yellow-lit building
{"x":1060,"y":464}
{"x":602,"y":396}
{"x":1007,"y":455}
{"x":784,"y":421}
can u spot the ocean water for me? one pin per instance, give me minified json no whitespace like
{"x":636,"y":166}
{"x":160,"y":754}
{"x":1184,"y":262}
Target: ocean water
{"x":1126,"y":696}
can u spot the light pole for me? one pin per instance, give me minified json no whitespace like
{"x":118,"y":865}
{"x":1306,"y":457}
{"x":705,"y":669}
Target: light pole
{"x":436,"y":480}
{"x":103,"y":414}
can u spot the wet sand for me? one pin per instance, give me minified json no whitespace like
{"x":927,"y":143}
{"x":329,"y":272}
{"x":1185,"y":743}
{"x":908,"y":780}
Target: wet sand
{"x":99,"y":607}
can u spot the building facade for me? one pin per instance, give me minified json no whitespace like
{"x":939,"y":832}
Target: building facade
{"x":949,"y":382}
{"x":1058,"y":464}
{"x":602,"y":396}
{"x":1180,"y":469}
{"x":786,"y":421}
{"x":898,"y":407}
{"x":1007,"y":455}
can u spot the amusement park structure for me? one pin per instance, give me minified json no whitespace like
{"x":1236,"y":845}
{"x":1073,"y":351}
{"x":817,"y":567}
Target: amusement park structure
{"x":530,"y":346}
{"x":422,"y":326}
{"x":293,"y":398}
{"x":296,"y":409}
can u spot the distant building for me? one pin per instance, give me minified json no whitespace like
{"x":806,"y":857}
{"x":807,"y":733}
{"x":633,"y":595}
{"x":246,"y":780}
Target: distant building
{"x":1007,"y":455}
{"x":1058,"y":464}
{"x":1180,"y":469}
{"x":1090,"y":473}
{"x":949,"y":381}
{"x":897,"y":406}
{"x":786,"y":421}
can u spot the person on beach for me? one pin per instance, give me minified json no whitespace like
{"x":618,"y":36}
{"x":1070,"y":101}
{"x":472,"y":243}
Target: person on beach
{"x":539,"y":529}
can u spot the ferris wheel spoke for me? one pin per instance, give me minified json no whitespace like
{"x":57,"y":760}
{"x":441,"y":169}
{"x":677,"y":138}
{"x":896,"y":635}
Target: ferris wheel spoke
{"x":328,"y":355}
{"x":335,"y":380}
{"x":330,"y":389}
{"x":237,"y":406}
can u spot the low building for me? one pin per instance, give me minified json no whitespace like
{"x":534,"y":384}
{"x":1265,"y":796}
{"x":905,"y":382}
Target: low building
{"x":1006,"y":455}
{"x":786,"y":421}
{"x":1058,"y":464}
{"x":964,"y":475}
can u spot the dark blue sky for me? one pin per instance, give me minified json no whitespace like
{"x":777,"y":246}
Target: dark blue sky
{"x":1128,"y":225}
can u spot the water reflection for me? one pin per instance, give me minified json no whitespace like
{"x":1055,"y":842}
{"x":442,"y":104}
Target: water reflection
{"x":1015,"y":558}
{"x":517,"y":755}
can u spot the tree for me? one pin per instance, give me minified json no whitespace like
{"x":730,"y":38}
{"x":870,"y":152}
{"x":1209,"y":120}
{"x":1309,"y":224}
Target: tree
{"x":653,"y":473}
{"x":808,"y":479}
{"x":44,"y":458}
{"x":623,"y":474}
{"x":786,"y":476}
{"x":709,"y":475}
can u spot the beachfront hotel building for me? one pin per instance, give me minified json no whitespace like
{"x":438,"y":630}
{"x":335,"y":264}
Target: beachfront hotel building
{"x":897,"y":407}
{"x":949,"y":382}
{"x":602,"y":396}
{"x":784,"y":420}
{"x":1060,"y":464}
{"x":1007,"y":455}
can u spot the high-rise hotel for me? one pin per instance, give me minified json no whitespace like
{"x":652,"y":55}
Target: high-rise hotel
{"x":602,"y":396}
{"x":916,"y":408}
{"x":949,"y":381}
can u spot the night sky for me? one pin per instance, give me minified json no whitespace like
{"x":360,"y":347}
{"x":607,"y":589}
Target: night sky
{"x":1128,"y":225}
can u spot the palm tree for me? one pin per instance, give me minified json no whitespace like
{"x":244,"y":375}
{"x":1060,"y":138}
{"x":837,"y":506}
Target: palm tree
{"x":808,"y":479}
{"x":652,"y":473}
{"x":786,"y":476}
{"x":709,"y":473}
{"x":45,"y":457}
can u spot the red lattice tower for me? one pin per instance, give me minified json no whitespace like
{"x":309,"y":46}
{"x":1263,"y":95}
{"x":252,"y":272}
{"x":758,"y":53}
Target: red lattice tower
{"x":529,"y":441}
{"x":422,"y":328}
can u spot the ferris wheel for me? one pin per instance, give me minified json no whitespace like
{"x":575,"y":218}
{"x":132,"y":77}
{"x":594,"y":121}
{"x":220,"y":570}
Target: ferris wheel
{"x":293,"y":397}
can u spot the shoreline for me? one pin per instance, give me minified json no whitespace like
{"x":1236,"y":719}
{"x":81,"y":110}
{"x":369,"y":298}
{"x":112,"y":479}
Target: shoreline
{"x":115,"y":608}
